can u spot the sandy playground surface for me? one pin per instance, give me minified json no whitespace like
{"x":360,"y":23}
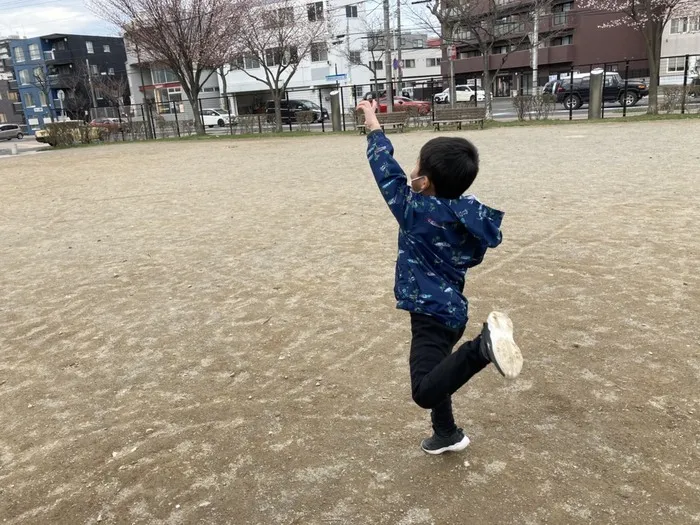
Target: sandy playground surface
{"x":205,"y":332}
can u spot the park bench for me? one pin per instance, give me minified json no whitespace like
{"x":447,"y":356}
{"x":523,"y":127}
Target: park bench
{"x":398,"y":119}
{"x":458,"y":116}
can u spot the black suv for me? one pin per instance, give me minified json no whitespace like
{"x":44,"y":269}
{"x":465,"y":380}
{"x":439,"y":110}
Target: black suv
{"x":613,"y":91}
{"x":291,"y":107}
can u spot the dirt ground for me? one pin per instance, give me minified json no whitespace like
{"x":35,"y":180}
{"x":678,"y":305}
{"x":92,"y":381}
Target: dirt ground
{"x":205,"y":332}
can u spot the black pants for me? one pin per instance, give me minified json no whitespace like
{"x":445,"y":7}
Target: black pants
{"x":437,"y":372}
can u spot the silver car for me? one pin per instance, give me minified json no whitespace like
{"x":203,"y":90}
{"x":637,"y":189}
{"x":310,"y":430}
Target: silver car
{"x":10,"y":131}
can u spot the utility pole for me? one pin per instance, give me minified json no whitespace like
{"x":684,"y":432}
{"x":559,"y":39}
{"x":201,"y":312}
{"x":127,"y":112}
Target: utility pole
{"x":398,"y":42}
{"x":535,"y":43}
{"x":92,"y":88}
{"x":387,"y":56}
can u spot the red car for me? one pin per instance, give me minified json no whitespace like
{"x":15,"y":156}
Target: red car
{"x":402,"y":102}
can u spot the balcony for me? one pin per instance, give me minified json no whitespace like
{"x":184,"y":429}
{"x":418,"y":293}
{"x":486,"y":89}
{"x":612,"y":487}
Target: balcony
{"x":17,"y":108}
{"x":12,"y":85}
{"x":517,"y":59}
{"x":60,"y":80}
{"x":56,"y":56}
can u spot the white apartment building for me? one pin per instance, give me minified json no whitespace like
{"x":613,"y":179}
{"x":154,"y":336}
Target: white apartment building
{"x":332,"y":55}
{"x":681,"y":37}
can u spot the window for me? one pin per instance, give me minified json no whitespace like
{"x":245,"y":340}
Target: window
{"x":319,"y":52}
{"x":279,"y":18}
{"x":376,"y":65}
{"x":358,"y":91}
{"x":560,"y":13}
{"x":694,"y":24}
{"x":106,"y":48}
{"x":562,"y":41}
{"x":19,"y":54}
{"x":355,"y":57}
{"x":273,"y":56}
{"x":110,"y":71}
{"x":250,"y":62}
{"x":25,"y":76}
{"x":315,"y":11}
{"x":432,"y":62}
{"x":90,"y":48}
{"x":500,"y":50}
{"x":28,"y":100}
{"x":676,"y":65}
{"x":679,"y":25}
{"x":60,"y":45}
{"x":94,"y":69}
{"x":38,"y":74}
{"x":163,"y":76}
{"x":43,"y":100}
{"x":409,"y":64}
{"x":3,"y":117}
{"x":351,"y":11}
{"x":34,"y":52}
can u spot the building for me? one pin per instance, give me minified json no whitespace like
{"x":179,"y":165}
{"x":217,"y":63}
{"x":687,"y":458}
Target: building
{"x":681,"y":37}
{"x":335,"y":59}
{"x":420,"y":62}
{"x":10,"y":105}
{"x":568,"y":37}
{"x":157,"y":86}
{"x":66,"y":76}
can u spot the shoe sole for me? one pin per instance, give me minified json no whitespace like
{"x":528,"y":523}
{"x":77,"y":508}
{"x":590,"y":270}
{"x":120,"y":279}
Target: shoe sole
{"x":457,"y":447}
{"x":503,"y":351}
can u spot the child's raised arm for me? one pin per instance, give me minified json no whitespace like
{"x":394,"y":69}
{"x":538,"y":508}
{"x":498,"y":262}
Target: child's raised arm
{"x":390,"y":178}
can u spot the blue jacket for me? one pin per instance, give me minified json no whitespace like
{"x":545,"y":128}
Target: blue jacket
{"x":439,"y":239}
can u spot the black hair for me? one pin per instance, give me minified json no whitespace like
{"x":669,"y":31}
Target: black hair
{"x":451,"y":165}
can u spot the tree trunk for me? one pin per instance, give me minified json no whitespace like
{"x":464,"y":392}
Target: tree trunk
{"x":653,"y":35}
{"x":277,"y":97}
{"x":224,"y":86}
{"x":486,"y":85}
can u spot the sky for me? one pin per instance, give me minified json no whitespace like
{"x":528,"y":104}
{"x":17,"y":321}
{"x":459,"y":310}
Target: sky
{"x":41,"y":17}
{"x":32,"y":18}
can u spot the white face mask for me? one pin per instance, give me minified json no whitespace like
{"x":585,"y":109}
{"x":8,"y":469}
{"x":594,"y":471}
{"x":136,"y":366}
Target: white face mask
{"x":410,"y":183}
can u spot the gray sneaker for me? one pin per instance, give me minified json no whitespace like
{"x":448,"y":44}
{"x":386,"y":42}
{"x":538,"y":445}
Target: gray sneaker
{"x":438,"y":444}
{"x":497,"y":345}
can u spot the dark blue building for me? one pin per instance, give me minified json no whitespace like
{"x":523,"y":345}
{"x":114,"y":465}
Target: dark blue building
{"x":60,"y":76}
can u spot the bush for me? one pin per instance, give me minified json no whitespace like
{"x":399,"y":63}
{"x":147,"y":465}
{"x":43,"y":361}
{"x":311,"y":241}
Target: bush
{"x":72,"y":132}
{"x":537,"y":107}
{"x":522,"y":104}
{"x":673,"y":95}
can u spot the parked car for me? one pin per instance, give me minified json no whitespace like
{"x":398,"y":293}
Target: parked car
{"x":464,"y":93}
{"x":109,"y":123}
{"x":291,"y":107}
{"x":217,"y":117}
{"x":404,"y":102}
{"x":374,"y":95}
{"x":10,"y":131}
{"x":613,"y":91}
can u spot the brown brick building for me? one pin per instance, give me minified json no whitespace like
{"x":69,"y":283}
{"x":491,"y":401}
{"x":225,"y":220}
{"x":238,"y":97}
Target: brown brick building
{"x":568,"y":37}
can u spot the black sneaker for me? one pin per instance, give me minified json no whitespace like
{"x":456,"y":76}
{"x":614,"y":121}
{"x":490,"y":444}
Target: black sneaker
{"x":438,"y":444}
{"x":497,"y":345}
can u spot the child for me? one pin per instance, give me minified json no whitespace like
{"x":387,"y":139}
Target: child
{"x":441,"y":234}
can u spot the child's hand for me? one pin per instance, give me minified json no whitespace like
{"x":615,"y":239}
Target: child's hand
{"x":369,"y":108}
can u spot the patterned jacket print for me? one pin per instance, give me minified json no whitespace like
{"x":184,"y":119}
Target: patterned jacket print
{"x":439,"y":239}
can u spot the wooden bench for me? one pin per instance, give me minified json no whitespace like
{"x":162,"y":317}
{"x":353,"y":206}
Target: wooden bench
{"x":398,"y":119}
{"x":459,"y":115}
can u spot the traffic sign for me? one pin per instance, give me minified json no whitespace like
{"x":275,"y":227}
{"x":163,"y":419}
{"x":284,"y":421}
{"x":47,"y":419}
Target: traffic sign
{"x":336,"y":78}
{"x":452,"y":52}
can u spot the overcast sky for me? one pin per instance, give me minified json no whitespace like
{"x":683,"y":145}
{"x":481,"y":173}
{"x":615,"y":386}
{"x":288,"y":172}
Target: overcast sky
{"x":41,"y":17}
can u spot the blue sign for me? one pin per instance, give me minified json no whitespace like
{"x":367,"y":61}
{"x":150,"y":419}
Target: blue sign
{"x":336,"y":78}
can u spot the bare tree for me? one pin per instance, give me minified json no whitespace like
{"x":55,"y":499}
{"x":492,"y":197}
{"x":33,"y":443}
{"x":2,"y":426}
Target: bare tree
{"x":278,"y":36}
{"x":649,"y":17}
{"x":76,"y":102}
{"x":372,"y":44}
{"x":190,"y":37}
{"x":481,"y":26}
{"x":42,"y":82}
{"x":113,"y":88}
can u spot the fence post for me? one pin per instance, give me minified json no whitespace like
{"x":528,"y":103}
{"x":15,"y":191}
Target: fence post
{"x":602,"y":100}
{"x":685,"y":83}
{"x":342,"y":106}
{"x":432,"y":98}
{"x":320,"y":103}
{"x":153,"y":121}
{"x":199,"y":108}
{"x":476,"y":94}
{"x":289,"y":109}
{"x":119,"y":115}
{"x":177,"y":121}
{"x":571,"y":94}
{"x":354,"y":94}
{"x":259,"y":124}
{"x":624,"y":95}
{"x":146,"y":133}
{"x":228,"y":108}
